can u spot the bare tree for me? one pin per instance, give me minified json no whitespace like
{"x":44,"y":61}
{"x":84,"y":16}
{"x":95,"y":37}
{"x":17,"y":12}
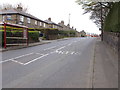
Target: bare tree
{"x":95,"y":9}
{"x":10,"y":6}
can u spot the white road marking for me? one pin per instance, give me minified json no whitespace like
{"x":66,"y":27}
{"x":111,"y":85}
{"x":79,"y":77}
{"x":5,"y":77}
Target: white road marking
{"x":60,"y":48}
{"x":56,"y":51}
{"x":61,"y":52}
{"x":17,"y":62}
{"x":39,"y":53}
{"x":22,"y":56}
{"x":15,"y":58}
{"x":36,"y":59}
{"x":49,"y":48}
{"x":43,"y":55}
{"x":72,"y":52}
{"x":5,"y":61}
{"x":67,"y":52}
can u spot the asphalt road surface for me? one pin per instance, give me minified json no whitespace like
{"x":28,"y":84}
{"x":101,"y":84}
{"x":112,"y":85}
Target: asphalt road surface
{"x":60,"y":64}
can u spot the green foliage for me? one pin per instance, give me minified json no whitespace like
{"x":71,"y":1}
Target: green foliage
{"x":67,"y":33}
{"x":8,"y":33}
{"x":34,"y":35}
{"x":63,"y":33}
{"x":112,"y":21}
{"x":72,"y":33}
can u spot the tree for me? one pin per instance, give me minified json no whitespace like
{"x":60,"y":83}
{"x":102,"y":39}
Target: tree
{"x":98,"y":10}
{"x":10,"y":6}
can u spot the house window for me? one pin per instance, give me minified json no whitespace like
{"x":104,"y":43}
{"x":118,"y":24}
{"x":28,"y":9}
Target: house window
{"x":35,"y":22}
{"x":40,"y":23}
{"x":53,"y":26}
{"x":43,"y":24}
{"x":22,"y":18}
{"x":28,"y":20}
{"x":3,"y":18}
{"x":9,"y":17}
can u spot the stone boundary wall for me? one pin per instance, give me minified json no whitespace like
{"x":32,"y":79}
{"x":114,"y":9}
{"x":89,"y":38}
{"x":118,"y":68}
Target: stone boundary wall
{"x":112,"y":39}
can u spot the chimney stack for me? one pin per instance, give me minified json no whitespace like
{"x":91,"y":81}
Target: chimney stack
{"x":62,"y":22}
{"x":19,"y":8}
{"x":49,"y":19}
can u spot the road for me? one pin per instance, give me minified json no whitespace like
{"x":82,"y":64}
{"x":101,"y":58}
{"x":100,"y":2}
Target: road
{"x":60,"y":64}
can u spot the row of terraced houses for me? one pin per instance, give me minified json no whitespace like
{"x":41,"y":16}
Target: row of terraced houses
{"x":18,"y":16}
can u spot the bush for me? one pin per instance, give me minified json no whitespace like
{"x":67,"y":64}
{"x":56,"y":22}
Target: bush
{"x":72,"y":33}
{"x":67,"y":33}
{"x":8,"y":33}
{"x":33,"y":36}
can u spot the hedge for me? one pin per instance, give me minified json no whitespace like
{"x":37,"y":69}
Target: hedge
{"x":67,"y":33}
{"x":33,"y":35}
{"x":112,"y":21}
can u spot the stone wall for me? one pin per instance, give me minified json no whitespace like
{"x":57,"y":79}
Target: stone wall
{"x":112,"y":39}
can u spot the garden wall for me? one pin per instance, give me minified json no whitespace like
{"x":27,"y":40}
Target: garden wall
{"x":112,"y":39}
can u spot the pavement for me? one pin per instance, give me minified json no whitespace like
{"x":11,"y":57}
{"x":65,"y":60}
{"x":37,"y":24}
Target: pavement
{"x":105,"y":66}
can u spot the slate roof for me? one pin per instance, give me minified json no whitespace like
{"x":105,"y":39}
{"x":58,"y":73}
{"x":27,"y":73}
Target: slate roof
{"x":13,"y":11}
{"x":50,"y":22}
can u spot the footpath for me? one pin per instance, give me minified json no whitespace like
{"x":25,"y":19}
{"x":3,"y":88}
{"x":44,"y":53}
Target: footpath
{"x":30,"y":44}
{"x":105,"y":71}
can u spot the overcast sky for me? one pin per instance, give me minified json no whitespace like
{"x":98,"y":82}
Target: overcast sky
{"x":58,"y":10}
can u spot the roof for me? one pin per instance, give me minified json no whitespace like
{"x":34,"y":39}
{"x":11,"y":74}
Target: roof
{"x":50,"y":22}
{"x":13,"y":11}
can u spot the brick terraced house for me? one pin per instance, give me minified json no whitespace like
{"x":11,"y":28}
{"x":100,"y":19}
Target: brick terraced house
{"x":51,"y":24}
{"x":18,"y":16}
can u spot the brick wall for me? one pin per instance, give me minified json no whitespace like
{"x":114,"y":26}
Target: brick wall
{"x":112,"y":39}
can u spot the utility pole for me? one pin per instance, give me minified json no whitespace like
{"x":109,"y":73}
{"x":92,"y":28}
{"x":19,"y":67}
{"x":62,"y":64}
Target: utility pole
{"x":101,"y":21}
{"x":69,"y":19}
